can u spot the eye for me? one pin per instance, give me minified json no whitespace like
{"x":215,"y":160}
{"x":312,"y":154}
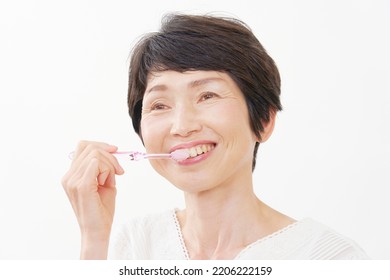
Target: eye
{"x":208,"y":95}
{"x":158,"y":106}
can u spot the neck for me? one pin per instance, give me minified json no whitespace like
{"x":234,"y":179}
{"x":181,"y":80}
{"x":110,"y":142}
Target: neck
{"x":219,"y":223}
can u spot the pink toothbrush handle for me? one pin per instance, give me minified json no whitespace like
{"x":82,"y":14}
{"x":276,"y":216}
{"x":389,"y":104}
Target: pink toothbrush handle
{"x":139,"y":156}
{"x":135,"y":155}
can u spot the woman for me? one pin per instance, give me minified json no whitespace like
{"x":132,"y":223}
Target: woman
{"x":204,"y":85}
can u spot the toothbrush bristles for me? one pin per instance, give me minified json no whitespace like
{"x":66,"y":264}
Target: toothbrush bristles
{"x":180,"y":155}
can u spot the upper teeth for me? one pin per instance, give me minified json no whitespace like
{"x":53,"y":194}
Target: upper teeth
{"x":200,"y":149}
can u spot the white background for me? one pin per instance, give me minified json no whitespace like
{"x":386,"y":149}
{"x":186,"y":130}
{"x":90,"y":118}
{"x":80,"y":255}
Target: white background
{"x":63,"y":78}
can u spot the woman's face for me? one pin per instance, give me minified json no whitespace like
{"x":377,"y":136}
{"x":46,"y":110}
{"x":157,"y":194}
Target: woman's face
{"x":204,"y":112}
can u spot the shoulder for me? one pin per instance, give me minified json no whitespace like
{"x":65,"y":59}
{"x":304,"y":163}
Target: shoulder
{"x":136,"y":237}
{"x":145,"y":225}
{"x":306,"y":239}
{"x":326,"y":243}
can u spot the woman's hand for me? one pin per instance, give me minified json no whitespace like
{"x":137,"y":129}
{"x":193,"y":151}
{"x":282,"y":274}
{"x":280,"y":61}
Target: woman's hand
{"x":90,"y":186}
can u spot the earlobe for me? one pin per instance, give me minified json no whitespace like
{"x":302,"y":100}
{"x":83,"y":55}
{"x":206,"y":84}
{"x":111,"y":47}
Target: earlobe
{"x":268,"y":126}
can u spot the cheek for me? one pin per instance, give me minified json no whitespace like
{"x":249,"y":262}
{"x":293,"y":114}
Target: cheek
{"x":152,"y":131}
{"x":231,"y":117}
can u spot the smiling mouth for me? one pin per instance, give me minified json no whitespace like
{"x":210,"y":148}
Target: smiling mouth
{"x":199,"y":150}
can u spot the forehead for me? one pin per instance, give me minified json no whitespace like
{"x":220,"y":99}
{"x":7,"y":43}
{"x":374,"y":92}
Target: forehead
{"x":163,"y":80}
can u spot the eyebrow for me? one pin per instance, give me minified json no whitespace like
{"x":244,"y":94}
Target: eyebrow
{"x":201,"y":82}
{"x":157,"y":88}
{"x":192,"y":84}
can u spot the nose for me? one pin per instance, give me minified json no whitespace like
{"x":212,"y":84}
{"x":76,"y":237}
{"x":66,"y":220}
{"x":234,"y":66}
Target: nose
{"x":185,"y":121}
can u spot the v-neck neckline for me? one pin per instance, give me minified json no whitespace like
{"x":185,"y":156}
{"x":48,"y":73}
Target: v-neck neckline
{"x":247,"y":248}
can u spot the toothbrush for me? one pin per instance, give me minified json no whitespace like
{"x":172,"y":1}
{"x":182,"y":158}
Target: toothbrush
{"x":178,"y":155}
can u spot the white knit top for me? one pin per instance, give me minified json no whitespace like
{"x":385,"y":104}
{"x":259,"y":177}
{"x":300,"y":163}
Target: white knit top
{"x":159,"y":237}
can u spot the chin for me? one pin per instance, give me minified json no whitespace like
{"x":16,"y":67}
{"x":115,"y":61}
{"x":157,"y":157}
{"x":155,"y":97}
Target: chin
{"x":192,"y":187}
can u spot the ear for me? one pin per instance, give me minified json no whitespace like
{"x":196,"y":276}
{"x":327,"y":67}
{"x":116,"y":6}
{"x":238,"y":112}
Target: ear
{"x":268,"y":126}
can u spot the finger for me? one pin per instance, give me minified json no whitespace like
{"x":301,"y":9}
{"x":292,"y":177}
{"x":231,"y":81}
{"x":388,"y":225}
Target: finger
{"x":94,"y":173}
{"x":98,"y":150}
{"x":83,"y":160}
{"x":102,"y":177}
{"x":85,"y":147}
{"x":97,"y":171}
{"x":85,"y":179}
{"x":114,"y":161}
{"x":110,"y":181}
{"x":111,"y":161}
{"x":106,"y":175}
